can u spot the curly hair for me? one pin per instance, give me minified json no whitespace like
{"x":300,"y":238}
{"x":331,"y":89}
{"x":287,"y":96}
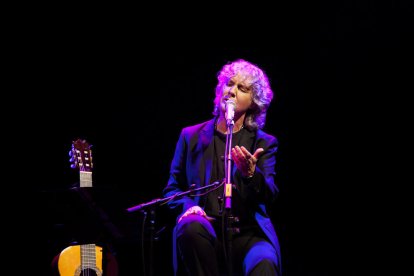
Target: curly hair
{"x":262,"y":93}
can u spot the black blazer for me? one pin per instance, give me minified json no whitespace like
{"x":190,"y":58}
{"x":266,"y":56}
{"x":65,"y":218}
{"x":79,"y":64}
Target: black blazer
{"x":193,"y":161}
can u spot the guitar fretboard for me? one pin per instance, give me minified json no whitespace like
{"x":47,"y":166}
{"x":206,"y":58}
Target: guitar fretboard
{"x":85,"y":179}
{"x":88,"y":256}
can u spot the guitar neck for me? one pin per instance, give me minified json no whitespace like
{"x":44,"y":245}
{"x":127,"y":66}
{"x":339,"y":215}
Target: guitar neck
{"x":85,"y":179}
{"x":88,"y":256}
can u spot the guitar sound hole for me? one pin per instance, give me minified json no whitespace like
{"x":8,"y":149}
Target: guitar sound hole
{"x":88,"y":272}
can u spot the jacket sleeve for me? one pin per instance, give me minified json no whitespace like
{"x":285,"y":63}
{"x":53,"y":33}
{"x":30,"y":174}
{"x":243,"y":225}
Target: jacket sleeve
{"x":177,"y":181}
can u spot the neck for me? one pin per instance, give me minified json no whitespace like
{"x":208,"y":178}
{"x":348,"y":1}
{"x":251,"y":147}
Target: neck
{"x":221,"y":124}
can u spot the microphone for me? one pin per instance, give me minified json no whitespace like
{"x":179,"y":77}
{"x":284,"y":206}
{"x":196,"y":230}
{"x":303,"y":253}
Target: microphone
{"x":230,"y":107}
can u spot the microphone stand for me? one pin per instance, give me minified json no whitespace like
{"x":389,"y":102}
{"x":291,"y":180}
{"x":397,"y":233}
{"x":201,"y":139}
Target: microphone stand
{"x":151,"y":205}
{"x":228,"y":217}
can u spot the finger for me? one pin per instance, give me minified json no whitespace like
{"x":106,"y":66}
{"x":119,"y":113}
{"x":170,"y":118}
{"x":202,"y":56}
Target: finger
{"x":236,"y":158}
{"x":199,"y":212}
{"x":258,"y":152}
{"x":246,"y":153}
{"x":210,"y":219}
{"x":233,"y":152}
{"x":234,"y":155}
{"x":240,"y":152}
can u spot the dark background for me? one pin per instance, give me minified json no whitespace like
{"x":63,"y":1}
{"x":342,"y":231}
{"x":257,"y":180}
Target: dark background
{"x":336,"y":71}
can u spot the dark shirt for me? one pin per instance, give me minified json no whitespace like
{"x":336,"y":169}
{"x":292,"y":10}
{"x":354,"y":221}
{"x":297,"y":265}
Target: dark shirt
{"x":213,"y":207}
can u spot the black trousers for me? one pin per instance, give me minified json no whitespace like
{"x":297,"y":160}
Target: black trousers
{"x":202,"y":251}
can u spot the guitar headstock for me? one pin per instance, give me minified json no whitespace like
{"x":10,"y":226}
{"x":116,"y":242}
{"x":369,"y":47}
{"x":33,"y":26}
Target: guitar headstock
{"x":81,"y":155}
{"x":81,"y":158}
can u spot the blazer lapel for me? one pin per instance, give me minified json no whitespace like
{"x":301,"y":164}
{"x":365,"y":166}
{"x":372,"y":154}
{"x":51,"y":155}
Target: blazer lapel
{"x":206,"y":143}
{"x":206,"y":138}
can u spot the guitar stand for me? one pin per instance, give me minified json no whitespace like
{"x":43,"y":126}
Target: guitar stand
{"x":153,"y":236}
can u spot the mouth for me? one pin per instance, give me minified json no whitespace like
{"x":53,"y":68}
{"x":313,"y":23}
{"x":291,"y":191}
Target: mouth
{"x":225,"y":99}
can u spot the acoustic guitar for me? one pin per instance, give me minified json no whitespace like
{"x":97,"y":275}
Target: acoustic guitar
{"x":83,"y":259}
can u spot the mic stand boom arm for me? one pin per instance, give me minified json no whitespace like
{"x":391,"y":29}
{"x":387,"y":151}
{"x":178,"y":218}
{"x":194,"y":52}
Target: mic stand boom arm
{"x":160,"y":201}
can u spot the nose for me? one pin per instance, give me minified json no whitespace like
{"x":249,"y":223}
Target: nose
{"x":231,"y":92}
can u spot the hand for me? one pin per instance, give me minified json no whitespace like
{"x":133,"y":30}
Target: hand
{"x":244,"y":160}
{"x":195,"y":210}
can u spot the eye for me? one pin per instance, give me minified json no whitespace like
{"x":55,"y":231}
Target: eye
{"x":243,"y":88}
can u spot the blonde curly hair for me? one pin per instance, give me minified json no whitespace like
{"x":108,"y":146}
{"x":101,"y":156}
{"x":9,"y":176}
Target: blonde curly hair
{"x":262,"y":93}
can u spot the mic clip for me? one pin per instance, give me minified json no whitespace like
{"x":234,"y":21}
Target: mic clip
{"x":230,"y":122}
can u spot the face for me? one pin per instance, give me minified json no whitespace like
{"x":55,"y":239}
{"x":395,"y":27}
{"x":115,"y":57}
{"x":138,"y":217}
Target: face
{"x":239,"y":89}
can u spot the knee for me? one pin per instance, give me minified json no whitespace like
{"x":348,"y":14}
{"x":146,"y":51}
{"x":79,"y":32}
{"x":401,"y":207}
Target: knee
{"x":262,"y":266}
{"x":192,"y":228}
{"x":262,"y":258}
{"x":267,"y":262}
{"x":189,"y":229}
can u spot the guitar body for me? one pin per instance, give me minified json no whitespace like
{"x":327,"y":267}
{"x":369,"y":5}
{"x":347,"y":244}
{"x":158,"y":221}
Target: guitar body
{"x":85,"y":259}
